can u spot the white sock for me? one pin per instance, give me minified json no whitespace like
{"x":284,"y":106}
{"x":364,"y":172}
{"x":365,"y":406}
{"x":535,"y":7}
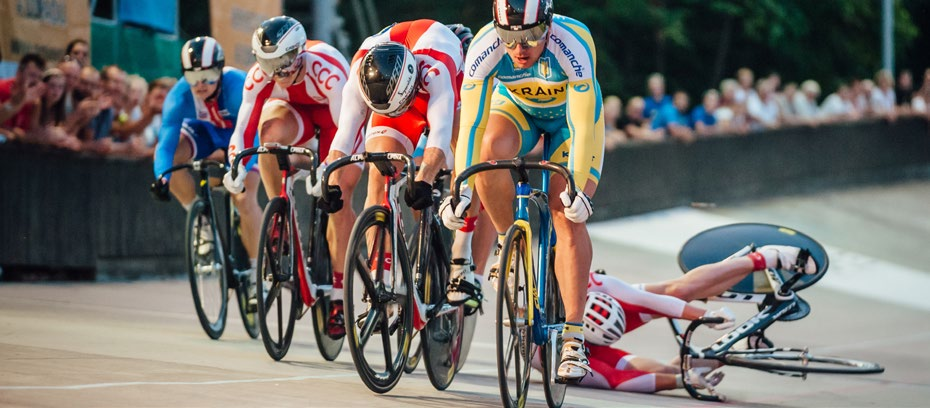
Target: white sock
{"x":187,"y":207}
{"x":461,"y":245}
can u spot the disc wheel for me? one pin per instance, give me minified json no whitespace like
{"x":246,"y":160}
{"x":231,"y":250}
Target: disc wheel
{"x":555,"y":317}
{"x":441,"y":339}
{"x":206,"y":267}
{"x":322,"y":272}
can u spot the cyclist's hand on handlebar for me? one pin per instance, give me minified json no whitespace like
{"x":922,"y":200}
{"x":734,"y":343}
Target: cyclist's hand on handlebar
{"x":235,"y":185}
{"x":331,"y":200}
{"x":702,"y":378}
{"x":729,"y":320}
{"x":579,"y":209}
{"x":420,"y":197}
{"x":159,"y":190}
{"x":316,"y":189}
{"x":454,"y":218}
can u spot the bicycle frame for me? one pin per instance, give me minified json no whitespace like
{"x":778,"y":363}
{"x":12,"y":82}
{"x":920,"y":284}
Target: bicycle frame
{"x":309,"y":291}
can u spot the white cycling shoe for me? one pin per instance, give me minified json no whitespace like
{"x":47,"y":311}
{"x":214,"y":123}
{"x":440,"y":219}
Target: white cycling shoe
{"x":573,"y":365}
{"x":785,"y":257}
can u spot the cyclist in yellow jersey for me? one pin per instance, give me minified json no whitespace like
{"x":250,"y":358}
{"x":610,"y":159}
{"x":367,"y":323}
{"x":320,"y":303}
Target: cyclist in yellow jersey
{"x":544,"y":67}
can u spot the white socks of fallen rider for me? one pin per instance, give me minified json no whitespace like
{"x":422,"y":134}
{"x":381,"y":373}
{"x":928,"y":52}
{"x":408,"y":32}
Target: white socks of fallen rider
{"x":461,"y":249}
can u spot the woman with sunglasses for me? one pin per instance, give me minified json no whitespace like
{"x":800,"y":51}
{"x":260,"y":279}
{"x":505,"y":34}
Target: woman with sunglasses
{"x":292,"y":97}
{"x":544,"y":67}
{"x":197,"y":122}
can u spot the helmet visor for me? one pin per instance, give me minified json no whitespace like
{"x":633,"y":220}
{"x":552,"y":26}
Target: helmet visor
{"x":280,"y":66}
{"x":528,"y":38}
{"x":206,"y":76}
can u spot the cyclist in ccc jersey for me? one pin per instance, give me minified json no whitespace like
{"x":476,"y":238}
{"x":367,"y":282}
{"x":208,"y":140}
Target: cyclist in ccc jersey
{"x":615,"y":307}
{"x":544,"y":65}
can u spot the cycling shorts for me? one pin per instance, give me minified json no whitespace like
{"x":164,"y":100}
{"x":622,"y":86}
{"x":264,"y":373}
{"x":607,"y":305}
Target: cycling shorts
{"x":310,"y":120}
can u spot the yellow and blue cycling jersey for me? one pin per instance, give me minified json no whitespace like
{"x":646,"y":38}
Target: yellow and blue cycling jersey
{"x":558,"y":95}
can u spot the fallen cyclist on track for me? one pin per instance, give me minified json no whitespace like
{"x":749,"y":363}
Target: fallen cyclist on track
{"x":615,"y":307}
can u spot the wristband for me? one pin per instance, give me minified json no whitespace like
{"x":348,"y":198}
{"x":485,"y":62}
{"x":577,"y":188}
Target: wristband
{"x":758,"y":261}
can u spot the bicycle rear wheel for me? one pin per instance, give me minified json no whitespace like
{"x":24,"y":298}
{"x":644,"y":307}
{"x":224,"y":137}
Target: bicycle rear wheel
{"x":514,"y":343}
{"x":378,"y":312}
{"x":800,"y":361}
{"x":206,"y":267}
{"x":321,"y":270}
{"x":278,"y":289}
{"x":555,"y":317}
{"x":242,"y":279}
{"x":441,"y":339}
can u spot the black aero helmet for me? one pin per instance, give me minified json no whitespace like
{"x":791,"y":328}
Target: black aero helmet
{"x":514,"y":15}
{"x":202,"y":53}
{"x":388,"y":78}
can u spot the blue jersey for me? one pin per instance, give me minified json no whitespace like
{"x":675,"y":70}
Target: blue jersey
{"x":181,"y":106}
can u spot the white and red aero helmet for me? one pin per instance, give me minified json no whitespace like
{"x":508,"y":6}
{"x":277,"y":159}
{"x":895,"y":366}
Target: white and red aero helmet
{"x":277,"y":42}
{"x":604,"y":319}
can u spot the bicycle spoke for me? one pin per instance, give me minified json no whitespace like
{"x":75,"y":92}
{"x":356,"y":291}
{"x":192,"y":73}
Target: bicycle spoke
{"x":280,"y":308}
{"x":373,"y":318}
{"x":386,"y":343}
{"x":369,"y":285}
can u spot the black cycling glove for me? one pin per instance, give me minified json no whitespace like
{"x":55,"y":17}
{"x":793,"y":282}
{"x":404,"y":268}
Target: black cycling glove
{"x":420,"y":197}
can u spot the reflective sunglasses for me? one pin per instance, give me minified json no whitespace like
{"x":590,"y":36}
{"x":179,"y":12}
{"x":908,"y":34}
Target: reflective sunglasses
{"x":528,"y":38}
{"x":282,"y":66}
{"x":206,"y":76}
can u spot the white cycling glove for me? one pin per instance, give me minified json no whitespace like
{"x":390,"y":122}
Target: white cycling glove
{"x":729,"y":320}
{"x":237,"y":185}
{"x":454,"y":218}
{"x":316,"y":189}
{"x":579,"y":210}
{"x":702,"y":378}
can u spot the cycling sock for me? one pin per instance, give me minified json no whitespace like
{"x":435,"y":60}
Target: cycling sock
{"x":461,"y":245}
{"x":253,"y":263}
{"x":187,"y":207}
{"x":679,"y":381}
{"x":573,"y":330}
{"x":337,"y":285}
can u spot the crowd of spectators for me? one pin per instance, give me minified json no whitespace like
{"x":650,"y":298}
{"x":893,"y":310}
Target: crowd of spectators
{"x":746,"y":104}
{"x":70,"y":104}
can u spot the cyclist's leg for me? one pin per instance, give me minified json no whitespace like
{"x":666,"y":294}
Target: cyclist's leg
{"x":704,"y":281}
{"x":182,"y":183}
{"x":280,"y":122}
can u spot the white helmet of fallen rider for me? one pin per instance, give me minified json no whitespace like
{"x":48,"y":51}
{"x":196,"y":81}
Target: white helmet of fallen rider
{"x":604,"y":320}
{"x":276,"y":44}
{"x":388,"y":78}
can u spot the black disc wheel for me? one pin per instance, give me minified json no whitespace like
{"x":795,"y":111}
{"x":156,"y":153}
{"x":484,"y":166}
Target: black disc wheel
{"x":378,"y":310}
{"x":321,"y":270}
{"x":441,"y":339}
{"x":206,"y":267}
{"x":799,"y":361}
{"x":277,"y":286}
{"x":514,"y":346}
{"x":551,"y":353}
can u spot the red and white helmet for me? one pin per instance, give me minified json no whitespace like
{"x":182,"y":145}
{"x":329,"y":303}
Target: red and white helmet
{"x":276,"y":44}
{"x":604,"y":320}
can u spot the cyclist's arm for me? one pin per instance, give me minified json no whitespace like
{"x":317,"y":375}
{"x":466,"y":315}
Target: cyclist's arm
{"x":255,"y":92}
{"x":440,"y":82}
{"x":480,"y":68}
{"x":354,"y":113}
{"x":173,"y":112}
{"x":583,"y":102}
{"x":327,"y":69}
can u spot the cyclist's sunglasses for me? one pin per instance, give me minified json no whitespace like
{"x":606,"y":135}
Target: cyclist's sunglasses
{"x":282,"y":66}
{"x":528,"y":38}
{"x":207,"y":76}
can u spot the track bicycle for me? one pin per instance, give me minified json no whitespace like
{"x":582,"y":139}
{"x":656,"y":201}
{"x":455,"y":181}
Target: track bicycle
{"x":214,"y":269}
{"x":286,"y":280}
{"x":777,"y":300}
{"x":391,"y":290}
{"x":529,"y":312}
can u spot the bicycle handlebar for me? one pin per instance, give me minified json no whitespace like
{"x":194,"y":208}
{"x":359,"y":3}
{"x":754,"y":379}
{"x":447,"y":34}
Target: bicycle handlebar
{"x":369,"y":157}
{"x":195,"y":165}
{"x":275,"y":149}
{"x":517,"y":165}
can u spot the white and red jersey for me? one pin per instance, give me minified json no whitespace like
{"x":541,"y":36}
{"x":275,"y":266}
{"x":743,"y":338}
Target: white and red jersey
{"x":324,"y":77}
{"x":439,"y":59}
{"x":639,"y":306}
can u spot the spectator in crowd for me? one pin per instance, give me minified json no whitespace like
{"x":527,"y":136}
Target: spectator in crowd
{"x":730,"y":116}
{"x":673,"y":119}
{"x":19,"y":97}
{"x":78,"y":50}
{"x":657,"y":98}
{"x":635,"y":125}
{"x":905,"y":90}
{"x":745,"y":78}
{"x":94,"y":106}
{"x":702,"y":117}
{"x":51,"y":126}
{"x":762,"y":107}
{"x":840,"y":105}
{"x":785,"y":100}
{"x":158,"y":90}
{"x":883,"y":97}
{"x":921,"y":99}
{"x":805,"y":102}
{"x":613,"y":109}
{"x":72,"y":71}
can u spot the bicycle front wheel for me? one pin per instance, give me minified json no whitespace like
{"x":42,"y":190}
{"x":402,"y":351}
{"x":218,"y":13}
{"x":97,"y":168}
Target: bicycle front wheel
{"x":378,"y":309}
{"x":278,"y":289}
{"x":515,"y":347}
{"x":206,"y":267}
{"x":799,"y":361}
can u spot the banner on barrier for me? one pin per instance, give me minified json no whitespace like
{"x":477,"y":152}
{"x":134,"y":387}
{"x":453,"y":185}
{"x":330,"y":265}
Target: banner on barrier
{"x":232,"y":23}
{"x":41,"y":26}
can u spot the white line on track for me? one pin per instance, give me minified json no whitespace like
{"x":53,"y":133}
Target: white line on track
{"x":135,"y":383}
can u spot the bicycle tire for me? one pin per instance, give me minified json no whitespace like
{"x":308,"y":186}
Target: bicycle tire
{"x":206,"y":272}
{"x":795,"y":360}
{"x":277,"y":309}
{"x":513,"y":341}
{"x":552,"y":352}
{"x":242,"y":282}
{"x":387,"y":311}
{"x":441,"y":339}
{"x":413,"y":360}
{"x":321,"y":270}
